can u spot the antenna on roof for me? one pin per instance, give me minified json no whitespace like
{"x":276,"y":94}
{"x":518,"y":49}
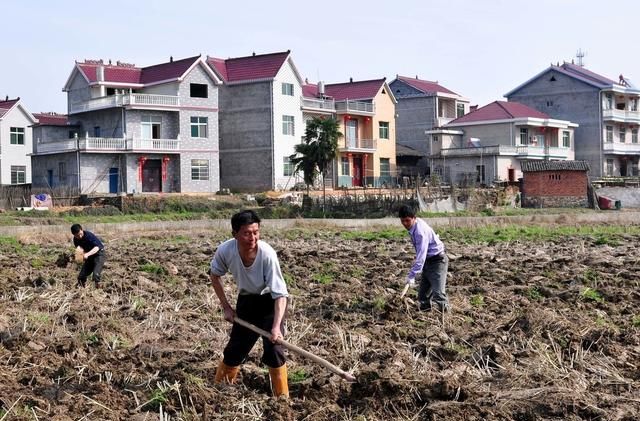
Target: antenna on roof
{"x":580,"y":55}
{"x":170,"y":59}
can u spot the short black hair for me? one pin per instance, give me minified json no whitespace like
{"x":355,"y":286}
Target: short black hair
{"x":245,"y":217}
{"x":76,"y":228}
{"x":406,"y":211}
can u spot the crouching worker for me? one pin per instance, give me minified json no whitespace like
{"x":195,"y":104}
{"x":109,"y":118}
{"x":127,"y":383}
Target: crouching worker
{"x":262,"y":300}
{"x":93,"y":254}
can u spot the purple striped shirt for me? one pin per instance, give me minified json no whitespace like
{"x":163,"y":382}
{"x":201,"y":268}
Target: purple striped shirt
{"x":427,"y":244}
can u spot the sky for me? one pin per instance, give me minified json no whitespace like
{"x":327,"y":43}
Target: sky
{"x":480,"y":49}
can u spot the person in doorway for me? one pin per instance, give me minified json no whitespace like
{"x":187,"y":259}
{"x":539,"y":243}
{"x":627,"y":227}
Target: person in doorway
{"x":93,"y":254}
{"x":262,"y":300}
{"x":431,"y":260}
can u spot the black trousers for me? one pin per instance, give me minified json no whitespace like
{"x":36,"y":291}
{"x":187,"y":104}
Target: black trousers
{"x":93,"y":265}
{"x":259,"y":311}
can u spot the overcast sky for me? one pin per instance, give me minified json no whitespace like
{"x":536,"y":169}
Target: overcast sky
{"x":480,"y":49}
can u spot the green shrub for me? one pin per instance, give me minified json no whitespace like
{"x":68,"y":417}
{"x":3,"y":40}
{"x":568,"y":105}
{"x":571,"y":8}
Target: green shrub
{"x":154,"y":268}
{"x":477,"y":300}
{"x":590,"y":294}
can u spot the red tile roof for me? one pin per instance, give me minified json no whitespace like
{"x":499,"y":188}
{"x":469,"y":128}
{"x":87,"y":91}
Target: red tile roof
{"x":583,"y":72}
{"x":366,"y":89}
{"x":425,"y":86}
{"x":129,"y":74}
{"x":309,"y":90}
{"x":51,"y":119}
{"x":254,"y":67}
{"x":499,"y":110}
{"x":6,"y":105}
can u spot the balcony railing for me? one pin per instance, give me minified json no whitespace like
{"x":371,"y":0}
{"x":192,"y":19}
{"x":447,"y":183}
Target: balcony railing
{"x":621,"y":115}
{"x":621,"y":148}
{"x":355,"y":106}
{"x":444,"y":120}
{"x":358,"y":145}
{"x":328,"y":105}
{"x":122,"y":100}
{"x":518,"y":151}
{"x":106,"y":144}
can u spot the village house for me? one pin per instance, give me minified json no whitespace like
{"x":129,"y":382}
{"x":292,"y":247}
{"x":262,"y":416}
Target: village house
{"x":548,"y":184}
{"x":490,"y":143}
{"x":423,"y":105}
{"x":260,"y":120}
{"x":133,"y":129}
{"x":365,"y":111}
{"x":607,"y":113}
{"x":15,"y":142}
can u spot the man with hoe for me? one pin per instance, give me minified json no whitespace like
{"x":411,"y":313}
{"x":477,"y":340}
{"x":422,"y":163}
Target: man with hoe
{"x":90,"y":251}
{"x":431,"y":259}
{"x":262,"y":300}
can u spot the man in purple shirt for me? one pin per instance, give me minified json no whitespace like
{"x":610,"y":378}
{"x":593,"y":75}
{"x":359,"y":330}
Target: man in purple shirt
{"x":431,"y":260}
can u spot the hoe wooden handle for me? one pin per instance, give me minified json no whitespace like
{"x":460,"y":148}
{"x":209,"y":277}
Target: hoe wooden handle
{"x":404,"y":290}
{"x":326,"y":364}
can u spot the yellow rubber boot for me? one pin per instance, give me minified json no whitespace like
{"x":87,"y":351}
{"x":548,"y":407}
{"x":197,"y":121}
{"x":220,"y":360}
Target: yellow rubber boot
{"x":226,"y":374}
{"x":279,"y":382}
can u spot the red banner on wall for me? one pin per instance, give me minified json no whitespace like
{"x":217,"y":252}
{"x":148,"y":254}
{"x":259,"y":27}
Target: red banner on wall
{"x":165,"y":166}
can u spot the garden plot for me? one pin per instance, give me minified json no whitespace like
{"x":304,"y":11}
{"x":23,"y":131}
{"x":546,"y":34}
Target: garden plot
{"x":540,"y":329}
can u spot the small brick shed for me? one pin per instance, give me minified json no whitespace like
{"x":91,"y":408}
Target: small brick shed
{"x":554,"y":184}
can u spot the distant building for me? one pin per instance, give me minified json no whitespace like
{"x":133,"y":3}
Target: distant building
{"x":260,"y":120}
{"x":133,"y":129}
{"x":547,"y":184}
{"x":423,"y":105}
{"x":606,"y":110}
{"x":15,"y":142}
{"x":490,"y":143}
{"x":365,"y":111}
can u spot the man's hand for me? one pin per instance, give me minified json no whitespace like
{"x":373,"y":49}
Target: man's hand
{"x":229,"y":313}
{"x":276,"y":334}
{"x":411,"y":282}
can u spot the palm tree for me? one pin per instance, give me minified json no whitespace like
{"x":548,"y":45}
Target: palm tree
{"x":318,"y":150}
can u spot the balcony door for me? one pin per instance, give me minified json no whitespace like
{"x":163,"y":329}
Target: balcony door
{"x":151,"y":126}
{"x":352,"y":133}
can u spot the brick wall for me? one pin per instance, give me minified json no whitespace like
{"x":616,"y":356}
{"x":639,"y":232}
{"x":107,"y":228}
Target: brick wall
{"x":554,"y":189}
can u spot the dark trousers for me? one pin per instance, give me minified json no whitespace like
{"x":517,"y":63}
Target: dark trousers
{"x":93,"y":265}
{"x":259,"y":311}
{"x":434,"y":282}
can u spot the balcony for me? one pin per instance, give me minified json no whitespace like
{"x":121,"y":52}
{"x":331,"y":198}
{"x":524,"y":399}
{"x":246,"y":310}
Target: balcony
{"x":444,"y":120}
{"x":522,"y":152}
{"x":621,"y":148}
{"x":624,"y":116}
{"x":358,"y":145}
{"x":355,"y":107}
{"x":483,"y":150}
{"x":318,"y":105}
{"x":126,"y":100}
{"x":108,"y":144}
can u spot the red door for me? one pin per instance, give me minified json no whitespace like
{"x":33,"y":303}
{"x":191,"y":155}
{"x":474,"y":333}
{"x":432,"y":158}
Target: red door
{"x":356,"y":179}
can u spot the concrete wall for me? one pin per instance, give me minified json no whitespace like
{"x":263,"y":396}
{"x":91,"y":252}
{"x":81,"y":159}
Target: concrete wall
{"x":385,"y":148}
{"x":15,"y":155}
{"x":42,"y":164}
{"x":567,"y":98}
{"x":415,"y":114}
{"x":554,"y":188}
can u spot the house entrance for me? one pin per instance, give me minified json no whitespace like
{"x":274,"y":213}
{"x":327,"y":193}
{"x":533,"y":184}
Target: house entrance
{"x":356,"y":179}
{"x":152,"y":176}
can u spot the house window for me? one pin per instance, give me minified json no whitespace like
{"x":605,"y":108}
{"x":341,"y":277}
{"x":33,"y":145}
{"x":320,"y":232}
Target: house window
{"x":609,"y":167}
{"x":73,"y":134}
{"x":634,"y":135}
{"x":384,"y":130}
{"x":345,"y":165}
{"x":434,"y":138}
{"x":623,"y":134}
{"x":287,"y":166}
{"x":633,"y":104}
{"x":198,"y":90}
{"x":549,"y":103}
{"x":151,"y":126}
{"x":199,"y":127}
{"x":385,"y":168}
{"x":287,"y":125}
{"x":17,"y":135}
{"x":566,"y":139}
{"x":96,"y":131}
{"x":62,"y":172}
{"x":609,"y":137}
{"x":459,"y":110}
{"x":524,"y":136}
{"x":199,"y":169}
{"x":287,"y":89}
{"x":18,"y":174}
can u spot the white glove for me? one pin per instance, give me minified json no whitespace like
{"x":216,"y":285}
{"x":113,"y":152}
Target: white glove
{"x":411,"y":282}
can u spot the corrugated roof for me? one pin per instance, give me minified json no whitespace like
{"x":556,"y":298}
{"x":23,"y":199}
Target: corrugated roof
{"x":499,"y":110}
{"x":172,"y":69}
{"x":425,"y":86}
{"x":536,"y":166}
{"x":51,"y":119}
{"x":403,"y":150}
{"x":6,"y":105}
